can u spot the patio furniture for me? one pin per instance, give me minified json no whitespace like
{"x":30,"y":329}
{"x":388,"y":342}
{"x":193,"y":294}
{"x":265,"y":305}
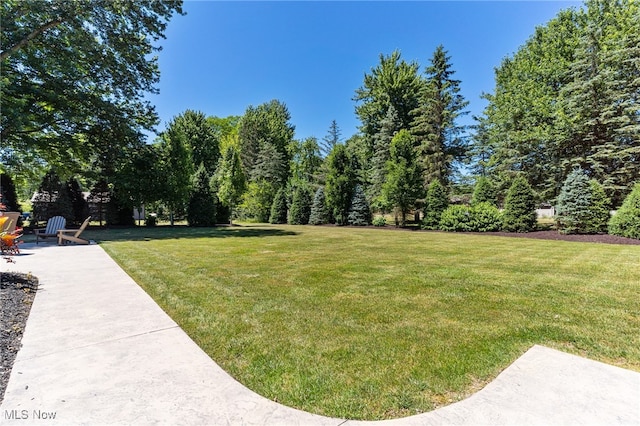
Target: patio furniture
{"x":9,"y":224}
{"x":54,"y":224}
{"x":9,"y":234}
{"x":65,"y":235}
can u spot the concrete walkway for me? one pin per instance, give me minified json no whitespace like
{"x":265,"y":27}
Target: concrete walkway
{"x":98,"y":350}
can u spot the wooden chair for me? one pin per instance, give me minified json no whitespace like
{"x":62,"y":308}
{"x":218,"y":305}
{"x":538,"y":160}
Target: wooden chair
{"x":64,"y":235}
{"x":54,"y":224}
{"x":9,"y":224}
{"x":9,"y":234}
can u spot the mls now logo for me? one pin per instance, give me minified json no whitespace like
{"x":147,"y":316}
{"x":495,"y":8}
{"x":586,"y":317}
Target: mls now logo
{"x":26,"y":414}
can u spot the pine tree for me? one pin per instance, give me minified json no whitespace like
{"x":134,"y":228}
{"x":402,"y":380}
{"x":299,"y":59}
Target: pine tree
{"x":52,"y":199}
{"x":574,"y":203}
{"x":436,"y":202}
{"x":600,"y":209}
{"x":201,"y":210}
{"x":439,"y":137}
{"x":229,"y":180}
{"x":320,"y":213}
{"x":483,"y":192}
{"x":300,"y":206}
{"x":519,"y":213}
{"x":279,"y":208}
{"x":79,"y":206}
{"x":98,"y":200}
{"x":331,"y":139}
{"x":360,"y":212}
{"x":626,"y":221}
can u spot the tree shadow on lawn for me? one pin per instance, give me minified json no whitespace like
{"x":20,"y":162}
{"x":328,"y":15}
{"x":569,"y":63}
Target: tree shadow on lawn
{"x":141,"y":233}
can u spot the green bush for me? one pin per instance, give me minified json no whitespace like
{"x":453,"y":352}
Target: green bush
{"x":151,"y":220}
{"x":486,"y":217}
{"x":379,"y":221}
{"x":519,"y":213}
{"x":626,"y":221}
{"x":456,"y":218}
{"x":483,"y":217}
{"x":201,"y":210}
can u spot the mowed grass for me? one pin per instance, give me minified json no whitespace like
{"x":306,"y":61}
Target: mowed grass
{"x":377,"y":324}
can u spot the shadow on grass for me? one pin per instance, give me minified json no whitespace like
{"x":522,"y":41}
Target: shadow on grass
{"x":141,"y":233}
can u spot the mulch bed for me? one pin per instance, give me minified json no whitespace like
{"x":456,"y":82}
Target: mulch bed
{"x":17,"y":292}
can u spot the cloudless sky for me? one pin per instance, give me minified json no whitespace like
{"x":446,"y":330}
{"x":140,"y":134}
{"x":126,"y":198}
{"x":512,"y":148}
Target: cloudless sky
{"x":224,"y":56}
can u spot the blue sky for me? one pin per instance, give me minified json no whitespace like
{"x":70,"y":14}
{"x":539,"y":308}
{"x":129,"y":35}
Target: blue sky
{"x":224,"y":56}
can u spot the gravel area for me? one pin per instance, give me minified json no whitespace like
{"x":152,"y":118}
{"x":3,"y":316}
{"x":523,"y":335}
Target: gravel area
{"x":17,"y":292}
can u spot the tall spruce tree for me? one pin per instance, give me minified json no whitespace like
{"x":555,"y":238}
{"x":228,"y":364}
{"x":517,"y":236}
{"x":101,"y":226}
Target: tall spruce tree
{"x":439,"y":136}
{"x":331,"y":139}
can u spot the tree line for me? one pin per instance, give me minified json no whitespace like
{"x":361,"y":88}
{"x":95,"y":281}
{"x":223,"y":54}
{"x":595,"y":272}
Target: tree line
{"x":567,"y":99}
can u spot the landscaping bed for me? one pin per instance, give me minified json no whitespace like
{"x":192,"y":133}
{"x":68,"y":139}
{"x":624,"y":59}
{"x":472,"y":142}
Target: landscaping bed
{"x":17,"y":292}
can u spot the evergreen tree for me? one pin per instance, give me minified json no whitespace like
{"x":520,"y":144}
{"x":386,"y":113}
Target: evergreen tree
{"x":439,"y":137}
{"x":626,"y":221}
{"x":340,"y":183}
{"x":300,"y":206}
{"x":331,"y":139}
{"x":8,"y":194}
{"x":574,"y":202}
{"x":600,"y":209}
{"x":201,"y":210}
{"x":519,"y":213}
{"x":403,"y":185}
{"x":79,"y":206}
{"x":52,"y":199}
{"x":98,"y":200}
{"x":483,"y":192}
{"x":360,"y":212}
{"x":279,"y":208}
{"x":320,"y":213}
{"x":436,"y":202}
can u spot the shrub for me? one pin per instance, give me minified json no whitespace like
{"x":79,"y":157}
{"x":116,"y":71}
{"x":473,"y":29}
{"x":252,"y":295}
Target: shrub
{"x":626,"y":222}
{"x":359,"y":212}
{"x":519,"y":213}
{"x":300,"y":206}
{"x":151,"y":220}
{"x":319,"y":211}
{"x":483,"y":192}
{"x":486,"y":217}
{"x":279,"y":208}
{"x":379,"y":221}
{"x":483,"y":217}
{"x":436,"y":202}
{"x":456,"y":218}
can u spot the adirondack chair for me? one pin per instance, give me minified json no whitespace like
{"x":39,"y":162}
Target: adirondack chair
{"x":9,"y":234}
{"x":73,"y":235}
{"x":54,"y":224}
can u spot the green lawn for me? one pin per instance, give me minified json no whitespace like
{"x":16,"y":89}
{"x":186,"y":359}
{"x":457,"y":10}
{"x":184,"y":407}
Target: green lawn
{"x":375,"y":324}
